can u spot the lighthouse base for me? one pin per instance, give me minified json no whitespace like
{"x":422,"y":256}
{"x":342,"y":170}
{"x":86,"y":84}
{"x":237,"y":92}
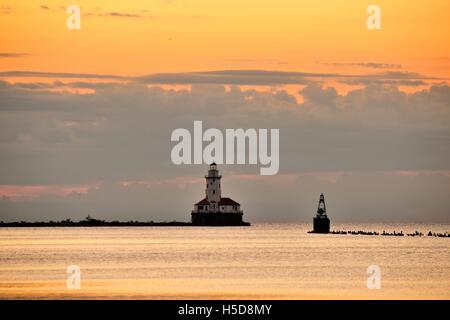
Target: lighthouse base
{"x":218,"y":219}
{"x":321,"y":225}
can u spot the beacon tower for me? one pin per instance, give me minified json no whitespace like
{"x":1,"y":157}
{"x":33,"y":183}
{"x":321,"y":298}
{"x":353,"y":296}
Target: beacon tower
{"x":321,"y":221}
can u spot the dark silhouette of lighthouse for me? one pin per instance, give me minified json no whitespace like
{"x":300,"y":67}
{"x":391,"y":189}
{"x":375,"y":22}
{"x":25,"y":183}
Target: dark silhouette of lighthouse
{"x":321,"y":221}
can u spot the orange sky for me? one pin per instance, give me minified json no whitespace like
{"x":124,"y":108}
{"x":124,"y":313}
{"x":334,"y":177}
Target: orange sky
{"x":136,"y":38}
{"x":199,"y":35}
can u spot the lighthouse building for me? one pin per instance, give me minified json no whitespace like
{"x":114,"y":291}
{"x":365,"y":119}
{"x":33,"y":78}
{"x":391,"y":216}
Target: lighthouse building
{"x":215,"y":210}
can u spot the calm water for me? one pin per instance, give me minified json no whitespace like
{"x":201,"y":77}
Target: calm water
{"x":262,"y":261}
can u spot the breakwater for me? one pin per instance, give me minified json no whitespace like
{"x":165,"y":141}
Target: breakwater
{"x":393,"y":234}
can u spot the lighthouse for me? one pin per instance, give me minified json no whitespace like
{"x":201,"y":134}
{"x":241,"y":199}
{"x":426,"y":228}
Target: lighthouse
{"x":213,"y":192}
{"x":321,"y":221}
{"x":215,"y":210}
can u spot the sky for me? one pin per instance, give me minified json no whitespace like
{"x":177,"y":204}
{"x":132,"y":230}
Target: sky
{"x":86,"y":115}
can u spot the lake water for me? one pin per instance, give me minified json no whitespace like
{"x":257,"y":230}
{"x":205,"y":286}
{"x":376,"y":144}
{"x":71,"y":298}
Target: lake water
{"x":275,"y":261}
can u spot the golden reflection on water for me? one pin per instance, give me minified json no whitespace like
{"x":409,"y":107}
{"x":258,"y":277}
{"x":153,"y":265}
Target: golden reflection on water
{"x":274,"y":261}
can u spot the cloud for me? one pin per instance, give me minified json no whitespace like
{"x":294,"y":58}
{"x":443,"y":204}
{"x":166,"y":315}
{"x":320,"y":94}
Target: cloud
{"x":38,"y":74}
{"x":237,"y":77}
{"x":124,"y":15}
{"x":23,"y":193}
{"x":13,"y":54}
{"x":351,"y":197}
{"x":373,"y":65}
{"x":403,"y":82}
{"x":5,"y":10}
{"x":262,"y":61}
{"x":99,"y":12}
{"x":116,"y":14}
{"x":371,"y":143}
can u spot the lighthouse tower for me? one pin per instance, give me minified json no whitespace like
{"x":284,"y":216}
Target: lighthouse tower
{"x":213,"y":192}
{"x":321,"y":221}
